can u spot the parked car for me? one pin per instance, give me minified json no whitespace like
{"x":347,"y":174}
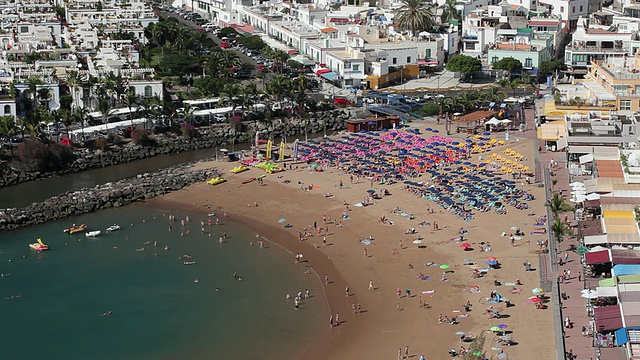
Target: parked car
{"x":341,"y":101}
{"x":262,"y":68}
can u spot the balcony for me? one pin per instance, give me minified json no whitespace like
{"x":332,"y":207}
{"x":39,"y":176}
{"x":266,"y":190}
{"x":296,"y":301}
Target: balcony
{"x":596,"y":49}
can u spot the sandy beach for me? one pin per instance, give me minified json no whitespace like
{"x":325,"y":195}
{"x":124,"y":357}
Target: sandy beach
{"x":388,"y":322}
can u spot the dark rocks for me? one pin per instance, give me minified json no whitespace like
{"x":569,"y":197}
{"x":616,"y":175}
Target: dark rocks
{"x":120,"y":193}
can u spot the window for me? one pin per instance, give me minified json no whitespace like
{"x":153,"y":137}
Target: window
{"x":147,"y":91}
{"x":625,"y":104}
{"x":573,"y":10}
{"x":356,"y":67}
{"x":394,"y":61}
{"x":7,"y":110}
{"x":471,"y":46}
{"x":580,"y":8}
{"x":428,"y":54}
{"x":528,"y":62}
{"x":561,"y":9}
{"x":24,"y":29}
{"x":408,"y":59}
{"x":632,"y":130}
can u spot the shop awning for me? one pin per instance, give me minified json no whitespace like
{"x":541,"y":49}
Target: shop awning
{"x":629,"y":257}
{"x":624,"y":214}
{"x":322,"y":71}
{"x":607,"y":291}
{"x":586,"y":158}
{"x":595,"y":239}
{"x":329,"y":75}
{"x":619,"y":270}
{"x":591,"y":203}
{"x":303,"y":60}
{"x":621,"y":337}
{"x":597,"y":257}
{"x":608,"y":318}
{"x":607,"y":282}
{"x":629,"y":279}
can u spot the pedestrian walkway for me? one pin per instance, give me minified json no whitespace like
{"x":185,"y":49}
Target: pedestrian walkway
{"x":573,"y":305}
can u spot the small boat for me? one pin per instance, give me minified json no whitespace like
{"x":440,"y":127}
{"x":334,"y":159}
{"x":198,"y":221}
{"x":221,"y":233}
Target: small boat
{"x":252,"y":179}
{"x":75,"y":229}
{"x":189,"y":262}
{"x":216,"y":180}
{"x":39,"y":246}
{"x":113,"y":227}
{"x":93,"y":233}
{"x":239,"y":169}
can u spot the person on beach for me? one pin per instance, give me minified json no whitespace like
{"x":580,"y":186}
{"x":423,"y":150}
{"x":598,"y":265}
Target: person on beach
{"x":326,"y":279}
{"x":371,"y":285}
{"x":346,"y":291}
{"x":365,"y":254}
{"x":337,"y":319}
{"x":331,"y":320}
{"x":306,"y":293}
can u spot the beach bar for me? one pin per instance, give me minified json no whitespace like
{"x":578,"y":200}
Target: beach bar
{"x":373,"y":123}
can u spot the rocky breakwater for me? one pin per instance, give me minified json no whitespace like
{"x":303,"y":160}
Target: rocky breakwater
{"x":327,"y":121}
{"x":123,"y":192}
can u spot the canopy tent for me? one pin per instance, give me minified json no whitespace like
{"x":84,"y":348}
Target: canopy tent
{"x":329,"y":75}
{"x":607,"y":282}
{"x":303,"y":60}
{"x":625,"y":256}
{"x":493,"y":121}
{"x":90,"y":131}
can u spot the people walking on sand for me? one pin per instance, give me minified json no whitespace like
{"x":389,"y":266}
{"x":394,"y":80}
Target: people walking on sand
{"x":406,"y":352}
{"x":331,"y":320}
{"x":370,"y":285}
{"x":346,"y":291}
{"x":399,"y":353}
{"x":365,"y":254}
{"x":337,"y":319}
{"x":326,"y":279}
{"x":306,"y":293}
{"x":358,"y":308}
{"x":399,"y":292}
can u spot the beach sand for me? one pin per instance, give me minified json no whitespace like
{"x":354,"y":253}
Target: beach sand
{"x":381,"y":328}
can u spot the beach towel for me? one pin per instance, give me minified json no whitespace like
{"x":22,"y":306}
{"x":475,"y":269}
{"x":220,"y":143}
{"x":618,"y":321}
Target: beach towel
{"x":459,"y":316}
{"x":282,"y":220}
{"x":538,"y":233}
{"x":425,"y":278}
{"x":288,"y":226}
{"x":366,"y":242}
{"x":429,"y":292}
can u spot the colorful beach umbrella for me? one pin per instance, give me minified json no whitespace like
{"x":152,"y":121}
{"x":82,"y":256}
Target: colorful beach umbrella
{"x":502,"y":326}
{"x":444,"y":266}
{"x":491,"y":258}
{"x":535,"y":299}
{"x":495,"y":328}
{"x":537,"y":291}
{"x":465,"y":245}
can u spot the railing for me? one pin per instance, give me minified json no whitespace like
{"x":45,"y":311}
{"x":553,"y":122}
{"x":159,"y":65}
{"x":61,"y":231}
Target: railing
{"x":553,"y":245}
{"x":621,"y":75}
{"x":596,"y":49}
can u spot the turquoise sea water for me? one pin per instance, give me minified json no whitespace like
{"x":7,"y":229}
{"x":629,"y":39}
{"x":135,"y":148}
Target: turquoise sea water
{"x":158,"y":311}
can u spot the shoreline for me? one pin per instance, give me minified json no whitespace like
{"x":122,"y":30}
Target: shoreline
{"x":389,"y":321}
{"x":314,"y":260}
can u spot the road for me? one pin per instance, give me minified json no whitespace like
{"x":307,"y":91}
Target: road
{"x":246,"y":59}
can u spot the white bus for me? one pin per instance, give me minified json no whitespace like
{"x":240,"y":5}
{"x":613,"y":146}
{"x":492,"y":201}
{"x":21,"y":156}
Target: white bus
{"x":205,"y":104}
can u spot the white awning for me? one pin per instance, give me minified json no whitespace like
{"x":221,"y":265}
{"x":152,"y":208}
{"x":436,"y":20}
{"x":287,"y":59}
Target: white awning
{"x":607,"y":291}
{"x":598,"y":90}
{"x":595,"y":239}
{"x":586,"y":158}
{"x":591,"y":185}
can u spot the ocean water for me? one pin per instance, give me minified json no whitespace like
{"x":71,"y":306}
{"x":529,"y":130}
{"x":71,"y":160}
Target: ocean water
{"x":158,"y":311}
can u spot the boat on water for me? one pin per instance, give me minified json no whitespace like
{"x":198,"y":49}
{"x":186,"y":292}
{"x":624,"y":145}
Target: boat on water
{"x":93,"y":233}
{"x":39,"y":246}
{"x":113,"y":227}
{"x":216,"y":180}
{"x":75,"y":229}
{"x":189,"y":262}
{"x":239,"y":169}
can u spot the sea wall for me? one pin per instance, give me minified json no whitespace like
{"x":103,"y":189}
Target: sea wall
{"x":208,"y":137}
{"x":123,"y":192}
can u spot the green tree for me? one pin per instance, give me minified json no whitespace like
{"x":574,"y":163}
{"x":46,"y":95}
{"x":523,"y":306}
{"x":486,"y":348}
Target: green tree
{"x":466,"y":65}
{"x":508,"y":64}
{"x":558,"y":205}
{"x":450,"y":12}
{"x":8,"y":127}
{"x":493,"y":94}
{"x":550,"y":67}
{"x":105,"y":109}
{"x":560,"y":228}
{"x":413,"y":15}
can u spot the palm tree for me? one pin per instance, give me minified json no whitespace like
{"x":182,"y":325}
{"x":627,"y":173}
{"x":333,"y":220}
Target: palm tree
{"x":105,"y":109}
{"x":449,"y":12}
{"x":44,"y":95}
{"x":558,"y":205}
{"x":81,"y":115}
{"x":232,"y":92}
{"x":468,"y":101}
{"x":130,"y":101}
{"x":413,"y":15}
{"x":33,"y":83}
{"x":278,"y":86}
{"x":493,"y":94}
{"x":454,"y":104}
{"x":229,"y":60}
{"x":73,"y":82}
{"x":9,"y":128}
{"x":560,"y":228}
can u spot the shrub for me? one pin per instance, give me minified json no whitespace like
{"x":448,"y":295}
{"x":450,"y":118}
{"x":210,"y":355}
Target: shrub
{"x":142,"y":137}
{"x":429,"y":109}
{"x":188,"y":130}
{"x":36,"y":156}
{"x":101,"y":144}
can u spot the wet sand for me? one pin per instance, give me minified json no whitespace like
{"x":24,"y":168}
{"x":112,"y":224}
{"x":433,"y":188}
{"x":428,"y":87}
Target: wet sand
{"x":381,"y":329}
